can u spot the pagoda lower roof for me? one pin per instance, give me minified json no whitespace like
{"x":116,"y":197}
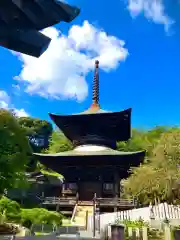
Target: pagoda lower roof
{"x":59,"y":162}
{"x":72,"y":153}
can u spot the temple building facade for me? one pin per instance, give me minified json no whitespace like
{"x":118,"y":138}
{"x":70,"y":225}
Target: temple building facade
{"x":94,"y":167}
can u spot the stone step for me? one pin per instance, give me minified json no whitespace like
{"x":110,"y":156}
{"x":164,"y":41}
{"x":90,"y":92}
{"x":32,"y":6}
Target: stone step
{"x":80,"y":215}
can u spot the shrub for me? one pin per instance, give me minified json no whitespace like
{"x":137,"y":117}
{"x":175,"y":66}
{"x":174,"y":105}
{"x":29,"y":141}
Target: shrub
{"x":11,"y":211}
{"x":134,"y":224}
{"x":40,"y":216}
{"x":9,"y":206}
{"x":155,"y":234}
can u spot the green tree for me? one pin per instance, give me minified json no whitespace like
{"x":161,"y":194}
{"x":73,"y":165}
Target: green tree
{"x":158,"y":178}
{"x":166,"y":157}
{"x":14,"y":152}
{"x":9,"y":210}
{"x":59,"y":143}
{"x":143,"y":140}
{"x":144,"y":183}
{"x":40,"y":216}
{"x":38,"y":132}
{"x":12,"y":211}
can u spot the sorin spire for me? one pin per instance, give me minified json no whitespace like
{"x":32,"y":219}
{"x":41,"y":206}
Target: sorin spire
{"x":95,"y":98}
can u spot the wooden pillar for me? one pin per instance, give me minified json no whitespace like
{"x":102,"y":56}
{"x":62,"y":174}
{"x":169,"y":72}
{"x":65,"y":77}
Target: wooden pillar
{"x":63,"y":188}
{"x":116,"y":185}
{"x":116,"y":189}
{"x":57,"y":207}
{"x":78,"y":190}
{"x":94,"y":215}
{"x":101,"y":182}
{"x":77,"y":197}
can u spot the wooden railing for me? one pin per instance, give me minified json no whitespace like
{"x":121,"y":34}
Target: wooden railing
{"x":116,"y":202}
{"x":60,"y":201}
{"x":99,"y":201}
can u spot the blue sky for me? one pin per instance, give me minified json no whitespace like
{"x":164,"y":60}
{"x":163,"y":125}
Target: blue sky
{"x":142,"y":74}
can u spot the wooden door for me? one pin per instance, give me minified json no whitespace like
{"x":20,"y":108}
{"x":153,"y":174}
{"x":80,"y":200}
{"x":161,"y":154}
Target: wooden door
{"x":88,"y":189}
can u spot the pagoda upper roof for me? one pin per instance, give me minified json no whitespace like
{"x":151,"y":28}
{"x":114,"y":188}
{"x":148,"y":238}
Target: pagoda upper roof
{"x":95,"y":125}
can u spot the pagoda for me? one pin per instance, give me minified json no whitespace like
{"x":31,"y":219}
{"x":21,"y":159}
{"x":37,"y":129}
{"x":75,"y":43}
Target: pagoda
{"x":94,"y":166}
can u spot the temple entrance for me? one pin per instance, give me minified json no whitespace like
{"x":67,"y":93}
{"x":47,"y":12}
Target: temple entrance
{"x":88,"y":189}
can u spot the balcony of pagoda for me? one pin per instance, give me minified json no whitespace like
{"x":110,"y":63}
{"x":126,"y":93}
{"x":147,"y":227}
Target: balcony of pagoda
{"x":120,"y":203}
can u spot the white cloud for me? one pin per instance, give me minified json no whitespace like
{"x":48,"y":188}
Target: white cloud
{"x":61,"y":71}
{"x":20,"y":112}
{"x":16,"y":89}
{"x":152,"y":9}
{"x":6,"y":104}
{"x":4,"y":99}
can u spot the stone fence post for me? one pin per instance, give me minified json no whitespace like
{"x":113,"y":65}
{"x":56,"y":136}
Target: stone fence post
{"x":177,"y":234}
{"x":117,"y":232}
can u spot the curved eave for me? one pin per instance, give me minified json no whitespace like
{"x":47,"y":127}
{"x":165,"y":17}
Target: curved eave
{"x":90,"y":153}
{"x":61,"y":162}
{"x":54,"y":116}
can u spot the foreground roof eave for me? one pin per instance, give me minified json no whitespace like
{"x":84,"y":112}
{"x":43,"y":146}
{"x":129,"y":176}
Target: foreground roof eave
{"x":52,"y":115}
{"x":89,"y":153}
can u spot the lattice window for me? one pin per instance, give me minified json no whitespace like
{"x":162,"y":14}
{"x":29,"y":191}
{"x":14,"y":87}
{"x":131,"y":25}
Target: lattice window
{"x":108,"y":186}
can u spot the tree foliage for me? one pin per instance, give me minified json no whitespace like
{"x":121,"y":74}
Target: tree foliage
{"x":12,"y":211}
{"x":158,"y":179}
{"x":38,"y":132}
{"x":59,"y":143}
{"x":142,"y":140}
{"x":8,"y":209}
{"x":14,"y":151}
{"x":40,"y":216}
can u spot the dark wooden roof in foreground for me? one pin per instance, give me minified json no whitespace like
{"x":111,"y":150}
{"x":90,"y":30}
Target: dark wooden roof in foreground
{"x":92,"y":128}
{"x":60,"y":161}
{"x":32,"y":42}
{"x":20,"y":21}
{"x":35,"y":14}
